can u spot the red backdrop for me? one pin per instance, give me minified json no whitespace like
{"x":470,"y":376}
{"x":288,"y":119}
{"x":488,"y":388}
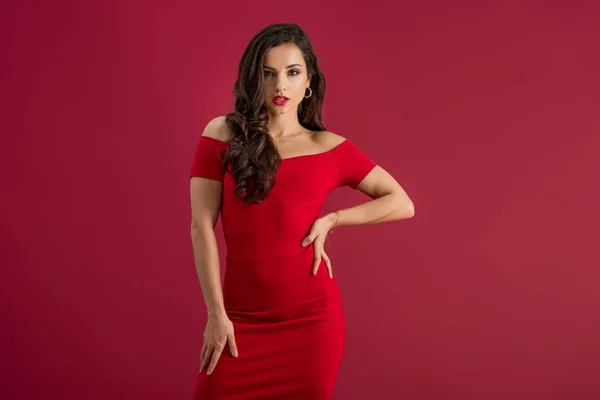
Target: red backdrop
{"x":486,"y":112}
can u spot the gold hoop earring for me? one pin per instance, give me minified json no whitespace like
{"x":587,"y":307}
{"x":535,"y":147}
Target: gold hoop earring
{"x":306,"y":97}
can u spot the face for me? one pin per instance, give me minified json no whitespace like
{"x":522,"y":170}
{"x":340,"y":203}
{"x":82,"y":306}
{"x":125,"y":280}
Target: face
{"x":285,"y":74}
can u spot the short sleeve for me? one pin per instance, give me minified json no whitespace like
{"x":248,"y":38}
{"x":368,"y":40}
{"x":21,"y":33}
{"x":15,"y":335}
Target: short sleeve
{"x":353,"y":164}
{"x":208,"y":159}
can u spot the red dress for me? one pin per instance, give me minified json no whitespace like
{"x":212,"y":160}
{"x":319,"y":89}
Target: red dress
{"x":288,"y":324}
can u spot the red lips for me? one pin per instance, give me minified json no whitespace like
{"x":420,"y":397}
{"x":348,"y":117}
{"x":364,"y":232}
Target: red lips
{"x":280,"y":100}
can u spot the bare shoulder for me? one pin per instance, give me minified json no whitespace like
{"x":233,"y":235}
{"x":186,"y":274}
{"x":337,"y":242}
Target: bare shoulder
{"x":217,"y":128}
{"x":328,"y":140}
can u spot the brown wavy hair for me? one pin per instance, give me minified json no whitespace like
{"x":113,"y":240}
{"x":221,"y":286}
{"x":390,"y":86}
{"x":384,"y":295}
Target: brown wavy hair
{"x":252,"y":155}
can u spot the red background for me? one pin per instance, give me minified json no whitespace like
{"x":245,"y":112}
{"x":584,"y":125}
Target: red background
{"x":486,"y":112}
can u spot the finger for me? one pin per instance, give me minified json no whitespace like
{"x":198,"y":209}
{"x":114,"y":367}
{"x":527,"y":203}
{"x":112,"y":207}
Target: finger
{"x":319,"y":250}
{"x":232,"y":345}
{"x":316,"y":260}
{"x":202,"y":355}
{"x":307,"y":240}
{"x":328,"y":263}
{"x":215,"y":359}
{"x":206,"y":359}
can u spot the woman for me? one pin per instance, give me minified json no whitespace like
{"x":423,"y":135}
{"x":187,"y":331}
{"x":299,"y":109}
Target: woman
{"x":275,"y":328}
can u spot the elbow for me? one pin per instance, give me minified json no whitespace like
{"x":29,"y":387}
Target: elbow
{"x":404,"y":207}
{"x":408,"y":209}
{"x":195,"y":231}
{"x":411,"y":210}
{"x":198,"y":227}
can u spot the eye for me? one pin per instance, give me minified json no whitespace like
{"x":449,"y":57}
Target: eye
{"x":267,"y":72}
{"x":295,"y":70}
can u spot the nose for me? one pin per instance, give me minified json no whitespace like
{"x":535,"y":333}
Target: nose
{"x":280,"y":84}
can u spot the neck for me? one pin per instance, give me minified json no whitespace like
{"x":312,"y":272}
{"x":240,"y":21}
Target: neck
{"x":282,"y":125}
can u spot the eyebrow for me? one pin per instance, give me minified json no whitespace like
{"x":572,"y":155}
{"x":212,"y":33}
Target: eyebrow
{"x":289,"y":66}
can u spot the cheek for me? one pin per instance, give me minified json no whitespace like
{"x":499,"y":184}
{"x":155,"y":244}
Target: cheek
{"x":299,"y":86}
{"x":299,"y":90}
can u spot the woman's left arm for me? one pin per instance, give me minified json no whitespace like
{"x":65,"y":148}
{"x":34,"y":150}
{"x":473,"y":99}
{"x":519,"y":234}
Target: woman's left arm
{"x":390,"y":202}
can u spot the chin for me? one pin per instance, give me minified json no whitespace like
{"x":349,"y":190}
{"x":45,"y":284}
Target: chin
{"x":279,"y":110}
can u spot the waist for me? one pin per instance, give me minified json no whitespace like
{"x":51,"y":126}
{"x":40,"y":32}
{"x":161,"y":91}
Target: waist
{"x":279,"y":287}
{"x":255,"y":244}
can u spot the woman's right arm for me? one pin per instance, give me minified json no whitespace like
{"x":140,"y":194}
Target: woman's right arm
{"x":205,"y":195}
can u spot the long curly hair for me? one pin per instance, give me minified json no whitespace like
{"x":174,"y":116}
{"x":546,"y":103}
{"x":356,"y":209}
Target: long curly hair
{"x":252,"y":155}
